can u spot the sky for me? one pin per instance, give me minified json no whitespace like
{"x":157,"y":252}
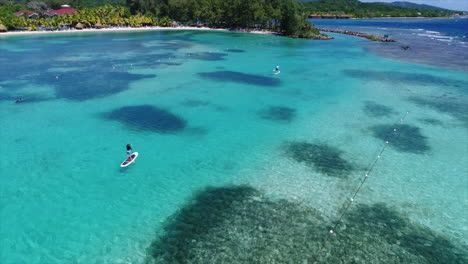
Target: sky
{"x":449,"y":4}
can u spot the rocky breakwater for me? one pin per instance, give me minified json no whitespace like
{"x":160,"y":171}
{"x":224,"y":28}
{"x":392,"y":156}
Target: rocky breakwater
{"x":358,"y":34}
{"x":322,"y":37}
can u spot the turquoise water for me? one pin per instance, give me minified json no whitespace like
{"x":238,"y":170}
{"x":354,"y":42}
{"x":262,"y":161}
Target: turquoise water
{"x":236,"y":165}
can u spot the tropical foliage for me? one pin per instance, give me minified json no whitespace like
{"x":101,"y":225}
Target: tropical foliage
{"x":285,"y":16}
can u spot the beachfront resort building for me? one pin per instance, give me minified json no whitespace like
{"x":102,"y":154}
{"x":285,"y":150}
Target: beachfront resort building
{"x":29,"y":13}
{"x":63,"y":10}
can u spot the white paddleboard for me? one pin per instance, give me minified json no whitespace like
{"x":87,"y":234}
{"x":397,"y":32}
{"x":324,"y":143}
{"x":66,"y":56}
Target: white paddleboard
{"x":129,"y":160}
{"x":278,"y":72}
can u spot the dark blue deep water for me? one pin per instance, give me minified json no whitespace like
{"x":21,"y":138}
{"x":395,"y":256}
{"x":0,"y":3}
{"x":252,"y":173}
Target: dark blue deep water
{"x":435,"y":41}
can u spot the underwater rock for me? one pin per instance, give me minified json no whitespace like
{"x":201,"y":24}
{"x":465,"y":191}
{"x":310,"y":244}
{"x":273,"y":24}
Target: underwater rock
{"x":373,"y":109}
{"x":323,"y":158}
{"x":406,"y":138}
{"x":278,"y":113}
{"x":405,"y":77}
{"x":449,"y":105}
{"x":431,"y":121}
{"x":239,"y":224}
{"x":207,"y":56}
{"x":148,"y":118}
{"x":377,"y":232}
{"x":195,"y":103}
{"x":236,"y":50}
{"x":239,"y":77}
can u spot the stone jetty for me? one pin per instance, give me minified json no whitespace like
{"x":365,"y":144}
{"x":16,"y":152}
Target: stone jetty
{"x":358,"y":34}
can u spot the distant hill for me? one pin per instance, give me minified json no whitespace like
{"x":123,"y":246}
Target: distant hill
{"x":413,"y":5}
{"x":372,"y":9}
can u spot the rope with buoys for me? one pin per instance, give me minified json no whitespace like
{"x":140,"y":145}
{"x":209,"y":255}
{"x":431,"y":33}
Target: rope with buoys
{"x":348,"y":203}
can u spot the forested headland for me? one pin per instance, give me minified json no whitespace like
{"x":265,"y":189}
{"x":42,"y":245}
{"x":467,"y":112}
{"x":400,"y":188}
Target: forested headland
{"x":286,"y":17}
{"x":359,"y":9}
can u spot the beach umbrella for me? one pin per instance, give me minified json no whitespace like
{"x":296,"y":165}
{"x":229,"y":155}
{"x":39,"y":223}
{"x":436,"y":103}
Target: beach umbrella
{"x":79,"y":26}
{"x":3,"y":28}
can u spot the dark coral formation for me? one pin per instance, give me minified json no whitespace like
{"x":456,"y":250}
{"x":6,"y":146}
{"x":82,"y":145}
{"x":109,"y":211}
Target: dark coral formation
{"x":239,"y":77}
{"x":105,"y":76}
{"x":148,"y":118}
{"x":406,"y":138}
{"x":207,"y":56}
{"x":323,"y":158}
{"x":373,"y":109}
{"x":239,"y":224}
{"x":371,"y":232}
{"x":236,"y":50}
{"x":405,"y":77}
{"x":431,"y":121}
{"x":195,"y":103}
{"x":86,"y":85}
{"x":449,"y":105}
{"x":278,"y":113}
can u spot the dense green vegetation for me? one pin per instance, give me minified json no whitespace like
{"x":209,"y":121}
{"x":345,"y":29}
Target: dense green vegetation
{"x":287,"y":17}
{"x":359,"y":9}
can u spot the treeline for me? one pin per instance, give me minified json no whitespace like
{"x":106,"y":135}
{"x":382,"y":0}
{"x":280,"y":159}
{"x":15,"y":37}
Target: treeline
{"x":39,"y":5}
{"x":363,"y":10}
{"x":287,"y":17}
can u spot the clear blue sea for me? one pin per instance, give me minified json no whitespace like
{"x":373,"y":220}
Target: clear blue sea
{"x":236,"y":165}
{"x":436,"y":41}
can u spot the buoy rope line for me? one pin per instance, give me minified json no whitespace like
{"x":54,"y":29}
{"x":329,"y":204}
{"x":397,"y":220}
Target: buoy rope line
{"x":348,"y":203}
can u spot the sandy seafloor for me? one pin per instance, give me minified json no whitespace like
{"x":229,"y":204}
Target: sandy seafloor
{"x":236,"y":165}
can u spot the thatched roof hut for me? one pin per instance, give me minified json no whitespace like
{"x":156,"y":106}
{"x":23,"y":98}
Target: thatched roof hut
{"x":79,"y":26}
{"x":3,"y":28}
{"x":99,"y":25}
{"x":174,"y":24}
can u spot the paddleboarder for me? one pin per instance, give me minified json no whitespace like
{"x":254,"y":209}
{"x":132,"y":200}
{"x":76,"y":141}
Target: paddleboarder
{"x":129,"y":150}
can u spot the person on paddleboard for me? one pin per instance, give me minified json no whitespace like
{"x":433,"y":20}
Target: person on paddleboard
{"x":276,"y":69}
{"x":129,"y":150}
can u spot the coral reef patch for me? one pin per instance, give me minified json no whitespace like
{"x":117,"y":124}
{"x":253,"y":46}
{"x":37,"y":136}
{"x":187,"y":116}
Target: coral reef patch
{"x":281,"y":114}
{"x":321,"y":157}
{"x":240,"y":224}
{"x":239,"y":77}
{"x":373,"y":109}
{"x":406,"y":138}
{"x":148,"y":118}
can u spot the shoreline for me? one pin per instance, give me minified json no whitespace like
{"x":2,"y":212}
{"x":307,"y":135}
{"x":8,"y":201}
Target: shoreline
{"x":131,"y":29}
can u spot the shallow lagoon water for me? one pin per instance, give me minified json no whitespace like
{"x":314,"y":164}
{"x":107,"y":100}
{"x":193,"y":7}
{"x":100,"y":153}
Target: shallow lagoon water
{"x":220,"y":136}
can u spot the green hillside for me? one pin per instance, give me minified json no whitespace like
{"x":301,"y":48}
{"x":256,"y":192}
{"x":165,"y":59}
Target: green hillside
{"x":359,"y":9}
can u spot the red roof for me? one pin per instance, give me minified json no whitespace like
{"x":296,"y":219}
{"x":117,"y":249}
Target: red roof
{"x":62,"y":11}
{"x":25,"y":11}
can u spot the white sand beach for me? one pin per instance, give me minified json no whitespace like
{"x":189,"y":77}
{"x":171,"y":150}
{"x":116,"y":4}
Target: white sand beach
{"x":114,"y":29}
